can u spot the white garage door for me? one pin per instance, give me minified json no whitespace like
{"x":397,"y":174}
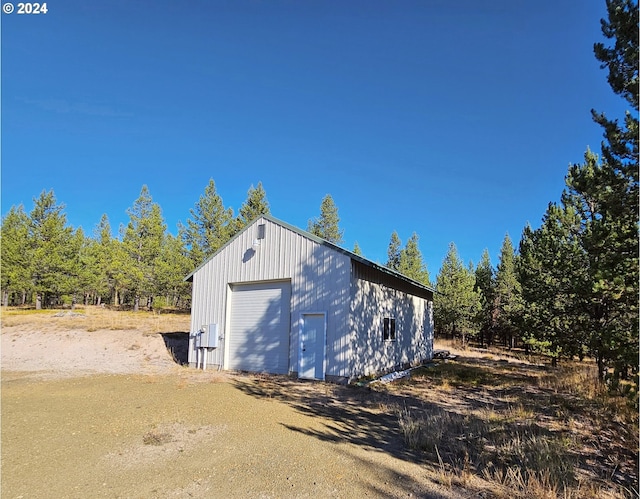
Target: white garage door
{"x":259,"y":327}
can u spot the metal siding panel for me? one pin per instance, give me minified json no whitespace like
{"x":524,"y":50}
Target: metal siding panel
{"x":337,"y":302}
{"x":373,"y":301}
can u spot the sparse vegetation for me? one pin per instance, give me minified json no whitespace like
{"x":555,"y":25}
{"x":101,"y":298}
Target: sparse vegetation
{"x":498,"y":423}
{"x":91,"y":318}
{"x":537,"y":431}
{"x":156,"y":438}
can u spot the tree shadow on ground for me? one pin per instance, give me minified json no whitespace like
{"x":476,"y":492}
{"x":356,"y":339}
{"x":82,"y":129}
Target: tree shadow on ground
{"x":353,"y":415}
{"x":177,"y":344}
{"x":374,"y":420}
{"x":490,"y":418}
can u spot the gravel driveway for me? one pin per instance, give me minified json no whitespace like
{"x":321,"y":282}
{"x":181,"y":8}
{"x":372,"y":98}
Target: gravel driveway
{"x":110,"y":414}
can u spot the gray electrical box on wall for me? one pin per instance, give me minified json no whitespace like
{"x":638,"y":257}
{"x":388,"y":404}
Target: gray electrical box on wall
{"x":213,"y":336}
{"x":209,"y":336}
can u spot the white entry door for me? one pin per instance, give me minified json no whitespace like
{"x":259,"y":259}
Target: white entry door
{"x":312,"y":345}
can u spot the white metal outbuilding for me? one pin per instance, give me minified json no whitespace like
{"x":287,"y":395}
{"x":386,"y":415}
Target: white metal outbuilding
{"x":280,"y":300}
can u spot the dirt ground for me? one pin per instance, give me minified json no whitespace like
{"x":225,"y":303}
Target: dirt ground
{"x":109,"y":413}
{"x":92,"y":412}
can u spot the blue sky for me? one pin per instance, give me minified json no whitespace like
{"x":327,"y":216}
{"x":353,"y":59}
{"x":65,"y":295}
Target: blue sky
{"x":454,"y":120}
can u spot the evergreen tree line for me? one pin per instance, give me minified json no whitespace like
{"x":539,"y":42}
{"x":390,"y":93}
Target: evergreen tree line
{"x":480,"y":302}
{"x":571,"y":289}
{"x":46,"y":262}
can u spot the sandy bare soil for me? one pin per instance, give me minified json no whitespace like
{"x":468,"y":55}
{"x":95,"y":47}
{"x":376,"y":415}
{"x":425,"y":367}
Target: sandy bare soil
{"x":64,"y":344}
{"x":101,"y":405}
{"x":109,"y":413}
{"x":76,"y":352}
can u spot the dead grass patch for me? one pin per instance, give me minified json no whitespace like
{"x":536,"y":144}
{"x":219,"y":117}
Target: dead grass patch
{"x":92,"y":318}
{"x":157,"y":438}
{"x":522,"y":429}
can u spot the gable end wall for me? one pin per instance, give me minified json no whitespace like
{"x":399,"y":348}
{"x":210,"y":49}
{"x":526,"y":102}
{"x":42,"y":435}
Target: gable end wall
{"x":320,"y":282}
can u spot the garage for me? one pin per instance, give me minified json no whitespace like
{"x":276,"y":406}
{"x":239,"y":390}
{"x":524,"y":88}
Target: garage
{"x":258,"y":338}
{"x":284,"y":301}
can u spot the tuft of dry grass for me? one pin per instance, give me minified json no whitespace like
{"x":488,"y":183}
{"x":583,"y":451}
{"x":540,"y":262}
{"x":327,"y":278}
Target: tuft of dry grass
{"x":492,"y":447}
{"x":157,"y":438}
{"x":521,"y":429}
{"x":494,"y":353}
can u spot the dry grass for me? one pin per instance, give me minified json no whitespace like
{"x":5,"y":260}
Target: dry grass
{"x":507,"y":426}
{"x":517,"y":428}
{"x":157,"y":438}
{"x":96,"y":318}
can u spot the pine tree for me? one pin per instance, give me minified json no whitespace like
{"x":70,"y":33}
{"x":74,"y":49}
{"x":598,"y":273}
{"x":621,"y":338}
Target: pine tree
{"x":552,"y":270}
{"x":609,"y":239}
{"x":142,"y":242}
{"x":411,"y":264}
{"x":508,"y":294}
{"x":255,"y":205}
{"x":486,"y":286}
{"x":101,"y":255}
{"x":356,"y":249}
{"x":209,"y":228}
{"x":49,"y":241}
{"x":326,"y":225}
{"x":79,"y":274}
{"x":597,"y":227}
{"x":456,"y":303}
{"x":16,"y":260}
{"x":620,"y":149}
{"x":393,"y":252}
{"x":171,"y":265}
{"x":611,"y":236}
{"x":122,"y":280}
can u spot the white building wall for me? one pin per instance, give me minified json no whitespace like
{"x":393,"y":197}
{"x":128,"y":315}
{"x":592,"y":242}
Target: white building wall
{"x":320,"y":280}
{"x":373,"y":298}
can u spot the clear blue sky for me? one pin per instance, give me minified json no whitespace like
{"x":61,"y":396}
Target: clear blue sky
{"x":456,"y":120}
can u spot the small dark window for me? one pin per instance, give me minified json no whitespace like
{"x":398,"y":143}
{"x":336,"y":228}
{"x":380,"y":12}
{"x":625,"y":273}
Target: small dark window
{"x":261,"y":229}
{"x":389,"y":329}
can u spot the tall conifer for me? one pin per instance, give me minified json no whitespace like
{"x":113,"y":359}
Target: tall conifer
{"x":142,"y":241}
{"x":393,"y":252}
{"x":209,"y":227}
{"x":255,"y":205}
{"x":486,"y":286}
{"x":508,"y":294}
{"x":327,"y":225}
{"x":595,"y":301}
{"x":456,"y":303}
{"x":49,"y":241}
{"x":411,"y":263}
{"x":16,"y":259}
